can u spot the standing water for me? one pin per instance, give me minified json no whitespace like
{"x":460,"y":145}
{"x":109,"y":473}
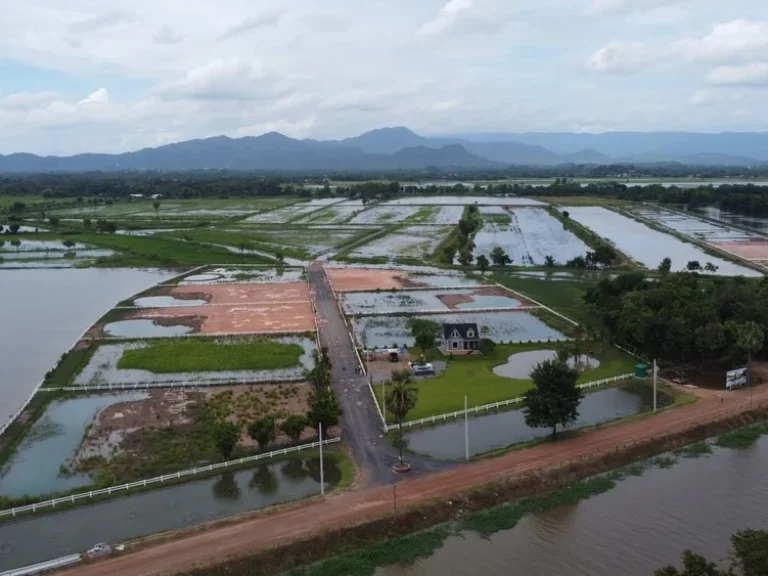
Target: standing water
{"x":42,"y":314}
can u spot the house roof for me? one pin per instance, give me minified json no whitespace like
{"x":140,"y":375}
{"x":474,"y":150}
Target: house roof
{"x":462,"y":330}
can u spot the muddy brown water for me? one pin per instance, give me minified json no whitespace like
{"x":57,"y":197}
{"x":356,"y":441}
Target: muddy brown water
{"x":641,"y":525}
{"x":43,"y":311}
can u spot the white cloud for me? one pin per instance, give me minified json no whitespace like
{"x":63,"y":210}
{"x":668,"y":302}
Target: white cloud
{"x":103,"y":22}
{"x":445,"y":105}
{"x":755,"y":74}
{"x":620,"y":7}
{"x":726,"y":42}
{"x":222,"y":80}
{"x":265,"y":19}
{"x":100,"y":96}
{"x":622,"y":57}
{"x":165,"y":35}
{"x":446,"y":18}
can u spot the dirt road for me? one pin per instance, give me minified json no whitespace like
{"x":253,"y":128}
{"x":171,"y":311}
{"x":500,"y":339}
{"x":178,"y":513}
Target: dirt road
{"x":348,"y":508}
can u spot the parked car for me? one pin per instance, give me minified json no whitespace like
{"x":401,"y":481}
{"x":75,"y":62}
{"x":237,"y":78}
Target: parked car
{"x":99,"y":550}
{"x":422,"y":368}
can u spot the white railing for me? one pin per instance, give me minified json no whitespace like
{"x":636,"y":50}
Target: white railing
{"x":160,"y":479}
{"x":417,"y":288}
{"x":495,"y":405}
{"x":159,"y":385}
{"x":44,"y":566}
{"x":547,"y":308}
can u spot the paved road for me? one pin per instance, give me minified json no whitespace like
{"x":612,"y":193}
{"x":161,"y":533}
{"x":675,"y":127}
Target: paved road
{"x":361,"y":424}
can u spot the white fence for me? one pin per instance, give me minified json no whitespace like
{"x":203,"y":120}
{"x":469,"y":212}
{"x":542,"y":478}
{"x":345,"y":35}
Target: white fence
{"x":434,"y":311}
{"x":158,"y":385}
{"x":495,"y":405}
{"x":44,"y":566}
{"x":547,"y":308}
{"x":160,"y":479}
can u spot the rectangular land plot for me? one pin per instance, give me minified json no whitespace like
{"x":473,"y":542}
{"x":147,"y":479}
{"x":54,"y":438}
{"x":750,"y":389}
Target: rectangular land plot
{"x":386,"y":331}
{"x":411,"y":241}
{"x":529,"y":238}
{"x":756,"y":251}
{"x":372,"y":279}
{"x":376,"y":303}
{"x":244,"y":293}
{"x":465,"y":201}
{"x":649,"y":246}
{"x":245,"y":274}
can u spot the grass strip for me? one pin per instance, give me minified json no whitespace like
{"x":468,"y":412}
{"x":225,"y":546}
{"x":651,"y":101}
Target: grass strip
{"x":196,"y":355}
{"x":743,"y":438}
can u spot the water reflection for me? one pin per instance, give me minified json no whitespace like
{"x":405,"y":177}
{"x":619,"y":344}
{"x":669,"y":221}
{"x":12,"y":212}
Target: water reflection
{"x":37,"y":539}
{"x":502,"y":429}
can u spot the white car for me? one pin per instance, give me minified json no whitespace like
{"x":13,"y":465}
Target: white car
{"x":99,"y":550}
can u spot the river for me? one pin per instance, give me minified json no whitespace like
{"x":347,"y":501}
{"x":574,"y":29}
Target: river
{"x":44,"y":311}
{"x":641,"y":525}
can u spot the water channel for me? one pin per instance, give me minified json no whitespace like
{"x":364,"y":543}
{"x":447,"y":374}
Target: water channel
{"x":44,"y":311}
{"x":502,"y":429}
{"x":37,"y":539}
{"x":641,"y":525}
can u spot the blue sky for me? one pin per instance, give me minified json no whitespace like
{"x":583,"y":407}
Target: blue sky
{"x":117,"y":75}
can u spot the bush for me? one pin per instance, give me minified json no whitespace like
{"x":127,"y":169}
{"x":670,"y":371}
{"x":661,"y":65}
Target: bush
{"x":487,"y":346}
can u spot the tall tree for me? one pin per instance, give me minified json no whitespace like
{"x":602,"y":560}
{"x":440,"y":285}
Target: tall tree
{"x":749,"y":558}
{"x":666,"y":266}
{"x":323,"y":409}
{"x":225,"y":435}
{"x":482,"y":263}
{"x":294,"y":426}
{"x":500,"y":257}
{"x":263,"y":430}
{"x":554,"y":400}
{"x":549,"y":262}
{"x":156,"y":206}
{"x":400,"y":398}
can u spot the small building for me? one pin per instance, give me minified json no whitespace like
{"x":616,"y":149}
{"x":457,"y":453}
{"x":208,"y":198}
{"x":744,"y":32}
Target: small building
{"x":460,"y":337}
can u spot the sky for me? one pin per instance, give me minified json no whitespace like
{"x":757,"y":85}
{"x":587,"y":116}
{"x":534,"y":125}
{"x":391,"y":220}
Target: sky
{"x":118,"y":75}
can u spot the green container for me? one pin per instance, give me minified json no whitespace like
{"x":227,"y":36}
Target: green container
{"x":641,"y":370}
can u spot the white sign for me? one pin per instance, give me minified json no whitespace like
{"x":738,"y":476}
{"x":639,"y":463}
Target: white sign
{"x":734,"y":378}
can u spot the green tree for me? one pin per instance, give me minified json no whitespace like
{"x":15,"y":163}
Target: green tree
{"x":294,"y":426}
{"x":666,"y":266}
{"x":14,"y":228}
{"x":323,"y":409}
{"x":53,"y":220}
{"x":554,"y":399}
{"x":549,"y":262}
{"x":499,"y":257}
{"x":226,"y":435}
{"x":156,"y":206}
{"x":465,"y":257}
{"x":486,"y":346}
{"x":711,"y":268}
{"x":87,"y":223}
{"x":263,"y":430}
{"x":400,"y":399}
{"x":604,"y":255}
{"x":482,"y":263}
{"x":693,"y":266}
{"x":749,"y":558}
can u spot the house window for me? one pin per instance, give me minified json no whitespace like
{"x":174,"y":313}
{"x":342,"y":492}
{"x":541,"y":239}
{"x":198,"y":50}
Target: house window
{"x":470,"y":333}
{"x":455,"y":345}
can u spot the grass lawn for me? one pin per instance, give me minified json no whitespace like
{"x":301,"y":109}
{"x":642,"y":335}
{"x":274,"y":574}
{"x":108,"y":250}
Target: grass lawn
{"x":177,"y":355}
{"x":238,"y":239}
{"x":565,"y":296}
{"x":582,"y":201}
{"x":473,"y":375}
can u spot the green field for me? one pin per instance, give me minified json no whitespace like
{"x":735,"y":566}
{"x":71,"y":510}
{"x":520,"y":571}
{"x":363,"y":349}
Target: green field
{"x":173,"y":356}
{"x":473,"y":376}
{"x":582,"y":201}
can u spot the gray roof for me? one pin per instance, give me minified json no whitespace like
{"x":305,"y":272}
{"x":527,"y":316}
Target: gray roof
{"x":462,"y":330}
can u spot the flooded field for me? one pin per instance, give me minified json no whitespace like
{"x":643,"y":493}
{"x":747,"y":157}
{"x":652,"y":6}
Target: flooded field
{"x":649,"y":246}
{"x":144,"y":329}
{"x":102,"y":369}
{"x":251,"y":275}
{"x":384,"y":331}
{"x":694,"y":227}
{"x":53,"y":440}
{"x":384,"y":214}
{"x":465,"y":201}
{"x":500,"y":430}
{"x":37,"y":539}
{"x":50,"y":309}
{"x":529,"y":238}
{"x":641,"y":525}
{"x":412,"y":241}
{"x":166,"y":302}
{"x":752,"y":222}
{"x":419,"y":300}
{"x":283,"y":215}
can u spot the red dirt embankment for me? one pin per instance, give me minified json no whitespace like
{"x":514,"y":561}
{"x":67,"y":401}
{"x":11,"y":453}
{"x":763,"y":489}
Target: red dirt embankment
{"x":282,"y":526}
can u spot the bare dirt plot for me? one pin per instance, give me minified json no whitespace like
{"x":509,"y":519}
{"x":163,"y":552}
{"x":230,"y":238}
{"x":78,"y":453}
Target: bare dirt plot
{"x":274,"y":318}
{"x":309,"y":518}
{"x":348,"y":279}
{"x":245,"y":293}
{"x":749,"y":250}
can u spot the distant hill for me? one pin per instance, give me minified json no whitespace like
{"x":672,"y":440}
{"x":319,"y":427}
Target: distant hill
{"x":396,"y":148}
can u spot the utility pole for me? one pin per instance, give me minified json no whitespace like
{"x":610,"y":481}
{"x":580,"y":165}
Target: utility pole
{"x":322,"y":475}
{"x":655,"y":377}
{"x":466,"y":429}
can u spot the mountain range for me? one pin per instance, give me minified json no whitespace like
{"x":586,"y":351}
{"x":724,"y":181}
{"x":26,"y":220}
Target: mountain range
{"x":390,"y":149}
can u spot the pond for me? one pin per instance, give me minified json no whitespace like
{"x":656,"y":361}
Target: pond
{"x":24,"y":245}
{"x":52,"y":254}
{"x":419,"y":300}
{"x":383,"y":331}
{"x":752,"y":222}
{"x":465,"y":200}
{"x":166,"y":302}
{"x":102,"y":368}
{"x":144,"y":329}
{"x":695,"y":227}
{"x":500,"y":430}
{"x":53,"y":440}
{"x":520,"y":365}
{"x":37,"y":539}
{"x":46,"y":311}
{"x":417,"y":243}
{"x":640,"y":526}
{"x":246,"y":274}
{"x":649,"y":246}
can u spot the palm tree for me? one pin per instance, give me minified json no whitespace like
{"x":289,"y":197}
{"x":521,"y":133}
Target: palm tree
{"x":400,"y":399}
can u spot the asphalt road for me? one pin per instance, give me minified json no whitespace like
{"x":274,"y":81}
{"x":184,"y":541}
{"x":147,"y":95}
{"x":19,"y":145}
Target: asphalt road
{"x":361,"y":424}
